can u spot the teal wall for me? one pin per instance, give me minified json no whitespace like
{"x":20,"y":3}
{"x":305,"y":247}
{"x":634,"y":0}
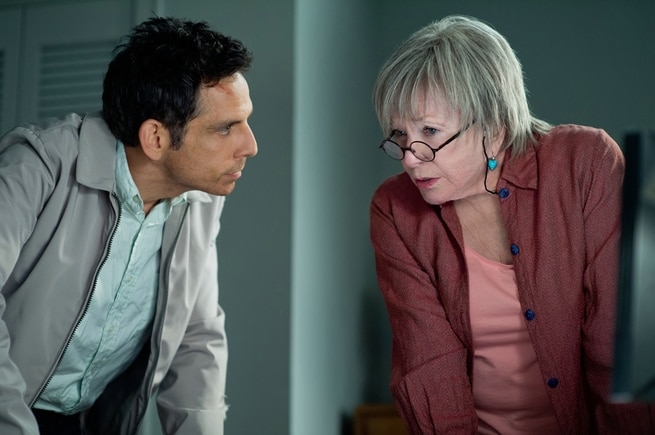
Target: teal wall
{"x":333,"y":282}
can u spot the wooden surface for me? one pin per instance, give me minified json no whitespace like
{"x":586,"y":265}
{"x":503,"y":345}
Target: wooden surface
{"x":378,"y":419}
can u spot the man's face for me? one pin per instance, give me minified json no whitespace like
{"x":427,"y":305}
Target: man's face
{"x":217,"y":142}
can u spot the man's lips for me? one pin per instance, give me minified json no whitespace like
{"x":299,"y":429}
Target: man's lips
{"x":236,"y":174}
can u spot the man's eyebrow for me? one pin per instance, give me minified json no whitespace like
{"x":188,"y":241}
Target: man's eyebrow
{"x":227,"y":123}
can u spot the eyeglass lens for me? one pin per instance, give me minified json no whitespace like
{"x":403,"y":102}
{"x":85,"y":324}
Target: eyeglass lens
{"x":421,"y":150}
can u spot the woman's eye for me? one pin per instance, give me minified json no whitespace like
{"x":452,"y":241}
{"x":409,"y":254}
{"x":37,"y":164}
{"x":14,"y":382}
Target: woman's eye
{"x":430,"y":131}
{"x":399,"y":136}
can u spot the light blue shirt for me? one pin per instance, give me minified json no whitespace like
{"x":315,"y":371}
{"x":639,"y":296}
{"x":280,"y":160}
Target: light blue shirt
{"x":119,"y":316}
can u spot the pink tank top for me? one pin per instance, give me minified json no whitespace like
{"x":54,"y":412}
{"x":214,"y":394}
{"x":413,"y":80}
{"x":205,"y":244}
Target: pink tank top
{"x":508,"y":387}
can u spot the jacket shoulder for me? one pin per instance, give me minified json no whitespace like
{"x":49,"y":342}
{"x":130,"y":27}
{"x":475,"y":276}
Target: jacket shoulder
{"x":50,"y":139}
{"x":580,"y":139}
{"x":577,"y":148}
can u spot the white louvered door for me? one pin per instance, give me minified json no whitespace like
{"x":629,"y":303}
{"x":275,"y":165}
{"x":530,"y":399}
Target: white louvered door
{"x":65,"y":49}
{"x":70,"y":77}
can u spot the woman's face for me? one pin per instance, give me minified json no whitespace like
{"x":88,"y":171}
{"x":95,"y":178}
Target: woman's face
{"x":458,"y":169}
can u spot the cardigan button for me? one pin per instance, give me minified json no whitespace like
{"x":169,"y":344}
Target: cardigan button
{"x":503,"y":193}
{"x":515,"y":249}
{"x":553,"y":382}
{"x":529,"y":314}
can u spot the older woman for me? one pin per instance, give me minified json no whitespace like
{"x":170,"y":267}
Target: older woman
{"x":496,"y":249}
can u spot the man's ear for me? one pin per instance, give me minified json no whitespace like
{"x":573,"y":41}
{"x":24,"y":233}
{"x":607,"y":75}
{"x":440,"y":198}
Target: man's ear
{"x":154,"y":139}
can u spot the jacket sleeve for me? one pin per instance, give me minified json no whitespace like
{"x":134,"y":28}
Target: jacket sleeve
{"x":429,"y":380}
{"x":191,"y":399}
{"x":16,"y":418}
{"x":25,"y":183}
{"x":602,"y":219}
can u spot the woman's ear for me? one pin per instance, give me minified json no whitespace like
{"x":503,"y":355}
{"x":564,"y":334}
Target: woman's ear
{"x":154,"y":139}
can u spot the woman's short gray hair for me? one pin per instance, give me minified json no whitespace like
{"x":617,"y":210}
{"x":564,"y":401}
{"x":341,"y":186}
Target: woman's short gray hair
{"x":469,"y":64}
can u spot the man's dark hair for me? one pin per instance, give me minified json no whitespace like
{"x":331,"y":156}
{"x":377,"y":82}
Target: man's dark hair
{"x":158,"y":72}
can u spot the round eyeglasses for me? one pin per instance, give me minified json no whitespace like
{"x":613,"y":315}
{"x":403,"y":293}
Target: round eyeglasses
{"x":421,"y":150}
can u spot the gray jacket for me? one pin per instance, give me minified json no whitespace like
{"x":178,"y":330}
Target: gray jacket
{"x":57,"y":217}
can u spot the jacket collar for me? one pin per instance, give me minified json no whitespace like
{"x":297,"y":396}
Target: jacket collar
{"x":522,"y":170}
{"x":96,"y":163}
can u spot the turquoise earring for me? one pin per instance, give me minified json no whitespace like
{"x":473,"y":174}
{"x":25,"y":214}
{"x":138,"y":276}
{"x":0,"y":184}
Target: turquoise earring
{"x":492,"y":163}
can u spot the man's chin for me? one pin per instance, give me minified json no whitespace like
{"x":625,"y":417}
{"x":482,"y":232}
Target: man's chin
{"x":222,"y":190}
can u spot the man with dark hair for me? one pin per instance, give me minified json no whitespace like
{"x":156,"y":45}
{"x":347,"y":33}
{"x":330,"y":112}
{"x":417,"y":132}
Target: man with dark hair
{"x":108,"y":274}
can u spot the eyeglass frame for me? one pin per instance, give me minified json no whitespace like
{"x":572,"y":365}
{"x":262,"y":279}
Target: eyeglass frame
{"x":409,"y":148}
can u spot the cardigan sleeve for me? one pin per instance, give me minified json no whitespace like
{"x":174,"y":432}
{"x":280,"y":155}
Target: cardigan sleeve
{"x":602,"y":218}
{"x":429,"y":379}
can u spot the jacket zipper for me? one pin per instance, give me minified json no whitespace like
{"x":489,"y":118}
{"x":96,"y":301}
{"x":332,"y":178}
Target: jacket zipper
{"x":86,"y":306}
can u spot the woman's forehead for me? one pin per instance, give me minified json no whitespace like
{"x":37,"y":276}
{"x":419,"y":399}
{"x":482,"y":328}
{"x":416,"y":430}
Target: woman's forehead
{"x":425,"y":107}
